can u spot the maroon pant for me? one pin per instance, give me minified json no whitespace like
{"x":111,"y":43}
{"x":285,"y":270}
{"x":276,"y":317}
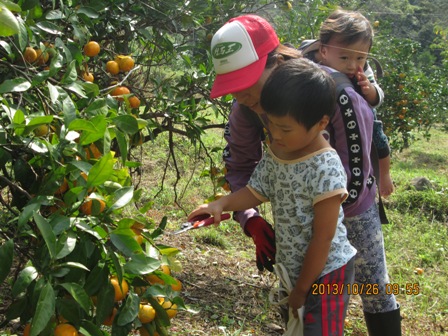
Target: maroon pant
{"x":327,"y":302}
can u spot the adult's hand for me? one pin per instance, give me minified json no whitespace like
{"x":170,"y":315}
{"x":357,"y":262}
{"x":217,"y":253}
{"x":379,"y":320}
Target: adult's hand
{"x":263,"y":236}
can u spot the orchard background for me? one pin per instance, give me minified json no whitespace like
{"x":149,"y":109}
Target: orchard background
{"x":84,"y":84}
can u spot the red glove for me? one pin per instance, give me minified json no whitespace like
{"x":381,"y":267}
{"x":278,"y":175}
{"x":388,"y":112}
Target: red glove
{"x":264,"y":238}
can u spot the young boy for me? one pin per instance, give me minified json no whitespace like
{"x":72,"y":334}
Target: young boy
{"x":304,"y":179}
{"x":345,"y":41}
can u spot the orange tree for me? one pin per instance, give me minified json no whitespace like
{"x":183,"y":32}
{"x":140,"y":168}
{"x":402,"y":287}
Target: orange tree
{"x":72,"y":220}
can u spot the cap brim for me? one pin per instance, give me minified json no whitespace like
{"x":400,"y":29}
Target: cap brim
{"x":238,"y":80}
{"x":309,"y":46}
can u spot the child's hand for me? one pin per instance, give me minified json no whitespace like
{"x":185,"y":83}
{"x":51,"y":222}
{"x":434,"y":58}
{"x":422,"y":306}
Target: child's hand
{"x":367,"y":89}
{"x":214,"y":209}
{"x":296,"y":300}
{"x":363,"y":81}
{"x":386,"y":185}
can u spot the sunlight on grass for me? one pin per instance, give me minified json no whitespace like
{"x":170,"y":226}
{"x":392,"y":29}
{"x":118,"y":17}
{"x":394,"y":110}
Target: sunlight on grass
{"x":417,"y":237}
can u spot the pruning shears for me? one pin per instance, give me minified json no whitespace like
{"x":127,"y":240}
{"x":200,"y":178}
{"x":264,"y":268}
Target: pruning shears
{"x":198,"y":222}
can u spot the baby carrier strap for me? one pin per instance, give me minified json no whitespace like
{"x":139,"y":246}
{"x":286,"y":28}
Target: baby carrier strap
{"x":342,"y":82}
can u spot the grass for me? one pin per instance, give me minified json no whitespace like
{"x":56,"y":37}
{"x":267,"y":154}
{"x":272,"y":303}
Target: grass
{"x":415,"y":239}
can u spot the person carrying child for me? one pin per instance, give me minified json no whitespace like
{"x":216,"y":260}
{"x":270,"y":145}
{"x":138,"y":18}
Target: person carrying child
{"x":305,"y":181}
{"x":336,"y":50}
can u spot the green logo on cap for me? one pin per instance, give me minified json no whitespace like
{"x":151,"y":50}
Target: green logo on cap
{"x":225,"y":49}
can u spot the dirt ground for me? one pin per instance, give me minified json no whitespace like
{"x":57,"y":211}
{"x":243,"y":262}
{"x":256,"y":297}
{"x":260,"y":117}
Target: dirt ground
{"x":225,"y":290}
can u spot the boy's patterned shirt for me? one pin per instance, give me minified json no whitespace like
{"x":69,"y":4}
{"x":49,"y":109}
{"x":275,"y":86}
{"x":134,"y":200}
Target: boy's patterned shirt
{"x":293,"y":187}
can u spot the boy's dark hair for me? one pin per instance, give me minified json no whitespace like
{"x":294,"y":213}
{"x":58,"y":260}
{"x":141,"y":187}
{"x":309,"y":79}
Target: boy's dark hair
{"x":347,"y":27}
{"x":301,"y":89}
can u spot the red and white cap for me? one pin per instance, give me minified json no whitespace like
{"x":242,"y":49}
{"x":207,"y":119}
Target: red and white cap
{"x":239,"y":52}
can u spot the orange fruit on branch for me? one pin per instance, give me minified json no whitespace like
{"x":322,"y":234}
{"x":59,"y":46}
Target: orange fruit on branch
{"x":62,"y":188}
{"x":137,"y":139}
{"x":165,"y":269}
{"x":134,"y":102}
{"x":119,"y":91}
{"x":26,"y":331}
{"x":139,"y":239}
{"x":92,"y":49}
{"x":170,"y":308}
{"x":146,"y":313}
{"x":154,"y":279}
{"x":92,"y":206}
{"x":126,"y":63}
{"x":144,"y":332}
{"x":41,"y":130}
{"x":92,"y":151}
{"x":120,"y":292}
{"x":30,"y":55}
{"x":88,"y":77}
{"x":65,"y":329}
{"x":177,"y":286}
{"x":42,"y":57}
{"x":112,"y":67}
{"x":110,"y":319}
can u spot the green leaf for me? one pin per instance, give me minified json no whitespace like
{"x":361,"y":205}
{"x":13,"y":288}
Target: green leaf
{"x":29,"y":4}
{"x":96,"y":279}
{"x":79,"y":294}
{"x":40,"y":120}
{"x":160,"y":311}
{"x":82,"y":125}
{"x":123,"y":145}
{"x":11,"y":6}
{"x":124,"y":241}
{"x":22,"y":36}
{"x":6,"y":256}
{"x":99,"y":106}
{"x":74,"y":265}
{"x":71,"y":74}
{"x":126,"y":123}
{"x":86,"y":228}
{"x":26,"y":276}
{"x":55,"y":15}
{"x":54,"y":92}
{"x":27,"y":212}
{"x":68,"y":308}
{"x":89,"y":329}
{"x":16,"y":308}
{"x":101,"y":170}
{"x":130,"y":310}
{"x":69,"y":109}
{"x":101,"y":124}
{"x":66,"y":245}
{"x":15,"y":85}
{"x":49,"y":27}
{"x":89,"y":12}
{"x":105,"y":303}
{"x":8,"y":22}
{"x":44,"y":310}
{"x":142,"y":265}
{"x":123,"y":197}
{"x":47,"y":233}
{"x":76,"y":88}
